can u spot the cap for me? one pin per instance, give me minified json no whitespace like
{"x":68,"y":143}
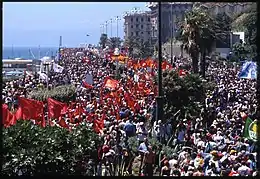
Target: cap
{"x":233,"y":151}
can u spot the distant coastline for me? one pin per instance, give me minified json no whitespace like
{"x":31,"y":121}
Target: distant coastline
{"x":28,"y":52}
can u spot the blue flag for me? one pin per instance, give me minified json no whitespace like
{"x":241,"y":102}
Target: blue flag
{"x":248,"y":71}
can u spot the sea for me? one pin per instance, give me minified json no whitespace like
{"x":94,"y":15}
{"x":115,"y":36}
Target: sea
{"x":28,"y":52}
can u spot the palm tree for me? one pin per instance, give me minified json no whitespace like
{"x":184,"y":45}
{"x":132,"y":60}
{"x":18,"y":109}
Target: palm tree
{"x":114,"y":42}
{"x":198,"y":33}
{"x":189,"y":36}
{"x":103,"y":40}
{"x":131,"y":43}
{"x":145,"y":49}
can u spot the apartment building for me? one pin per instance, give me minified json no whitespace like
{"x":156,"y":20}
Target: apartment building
{"x":173,"y":12}
{"x":230,"y":9}
{"x":145,"y":24}
{"x":138,"y":24}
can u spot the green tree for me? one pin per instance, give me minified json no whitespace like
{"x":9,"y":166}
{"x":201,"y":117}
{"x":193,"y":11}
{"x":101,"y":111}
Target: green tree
{"x":131,"y":43}
{"x":247,"y":22}
{"x":240,"y":51}
{"x":103,"y":40}
{"x":225,"y":22}
{"x":114,"y":42}
{"x":186,"y":94}
{"x":198,"y":33}
{"x":51,"y":150}
{"x":144,"y":49}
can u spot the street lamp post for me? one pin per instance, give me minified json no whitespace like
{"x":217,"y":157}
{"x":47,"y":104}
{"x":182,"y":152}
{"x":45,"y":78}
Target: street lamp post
{"x":101,"y":28}
{"x":111,"y":21}
{"x":159,"y":98}
{"x":117,"y":19}
{"x":106,"y":23}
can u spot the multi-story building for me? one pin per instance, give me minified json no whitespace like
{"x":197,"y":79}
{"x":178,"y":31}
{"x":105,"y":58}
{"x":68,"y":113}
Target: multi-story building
{"x":230,"y":9}
{"x":138,"y":24}
{"x":172,"y":14}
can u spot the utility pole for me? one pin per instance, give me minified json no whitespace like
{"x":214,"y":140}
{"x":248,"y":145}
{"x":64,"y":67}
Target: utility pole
{"x":159,"y":98}
{"x":111,"y":21}
{"x":171,"y":34}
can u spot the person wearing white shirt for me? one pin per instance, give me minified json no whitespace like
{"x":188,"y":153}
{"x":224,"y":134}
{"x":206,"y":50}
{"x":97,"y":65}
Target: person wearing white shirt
{"x":173,"y":161}
{"x":141,"y":132}
{"x":244,"y":170}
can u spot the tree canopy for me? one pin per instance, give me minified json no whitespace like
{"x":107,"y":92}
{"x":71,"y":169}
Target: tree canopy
{"x":247,"y":22}
{"x":103,"y":40}
{"x":31,"y":150}
{"x":138,"y":48}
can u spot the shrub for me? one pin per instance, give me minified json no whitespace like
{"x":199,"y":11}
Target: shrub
{"x":168,"y":151}
{"x":31,"y":150}
{"x":63,"y":93}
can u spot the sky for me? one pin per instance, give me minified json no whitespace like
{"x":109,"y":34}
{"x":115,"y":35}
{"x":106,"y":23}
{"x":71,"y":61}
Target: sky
{"x":40,"y":23}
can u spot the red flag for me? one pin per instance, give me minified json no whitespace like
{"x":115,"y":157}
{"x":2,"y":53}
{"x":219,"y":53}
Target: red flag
{"x":30,"y":109}
{"x":63,"y":124}
{"x":89,"y":117}
{"x":78,"y":112}
{"x":166,"y":65}
{"x":130,"y":101}
{"x":86,"y":85}
{"x":143,"y":63}
{"x":8,"y":118}
{"x":182,"y":73}
{"x":56,"y":108}
{"x":110,"y":83}
{"x":98,"y":125}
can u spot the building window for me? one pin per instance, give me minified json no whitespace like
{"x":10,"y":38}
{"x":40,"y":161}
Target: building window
{"x":142,"y":19}
{"x":142,"y":26}
{"x":137,"y":19}
{"x":131,"y":19}
{"x":132,"y":33}
{"x":132,"y":26}
{"x":148,"y":19}
{"x":136,"y":33}
{"x":137,"y":25}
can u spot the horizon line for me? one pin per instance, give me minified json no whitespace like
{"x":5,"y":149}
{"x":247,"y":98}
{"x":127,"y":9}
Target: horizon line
{"x":7,"y":46}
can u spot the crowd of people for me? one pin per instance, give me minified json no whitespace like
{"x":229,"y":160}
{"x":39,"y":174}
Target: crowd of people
{"x":218,"y":149}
